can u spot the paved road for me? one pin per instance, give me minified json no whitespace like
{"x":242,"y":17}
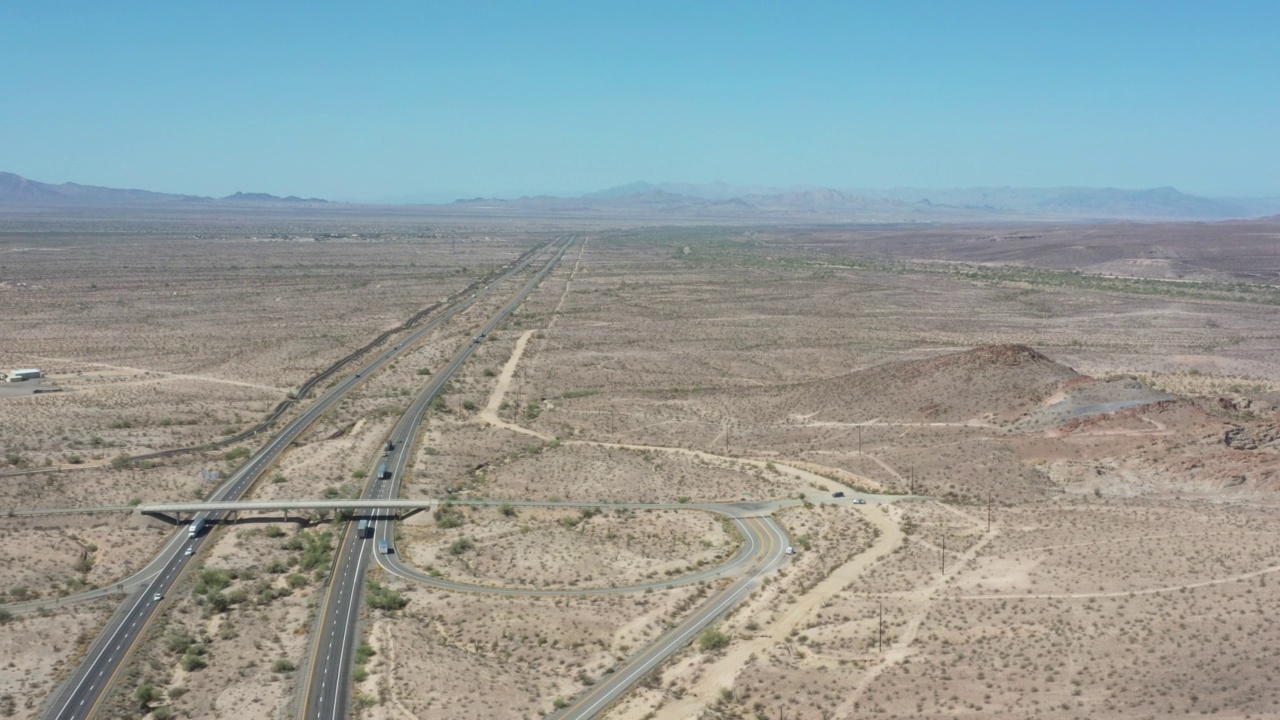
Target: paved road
{"x":734,"y":565}
{"x":768,"y":555}
{"x":83,"y":692}
{"x":326,"y":694}
{"x":267,"y":505}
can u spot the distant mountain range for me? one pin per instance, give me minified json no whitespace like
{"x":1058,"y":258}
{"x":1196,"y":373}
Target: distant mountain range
{"x":17,"y":190}
{"x":721,"y":202}
{"x":934,"y":203}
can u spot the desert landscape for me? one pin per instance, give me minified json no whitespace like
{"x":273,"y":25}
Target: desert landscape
{"x":1070,"y":467}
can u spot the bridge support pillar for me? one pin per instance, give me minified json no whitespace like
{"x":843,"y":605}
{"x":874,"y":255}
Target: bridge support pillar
{"x":154,"y":520}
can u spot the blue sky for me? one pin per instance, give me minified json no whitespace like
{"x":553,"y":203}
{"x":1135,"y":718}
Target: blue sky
{"x":440,"y":100}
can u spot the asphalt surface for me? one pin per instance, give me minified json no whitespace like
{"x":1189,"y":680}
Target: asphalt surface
{"x":742,"y":558}
{"x":83,"y":692}
{"x":326,"y":693}
{"x":768,"y":554}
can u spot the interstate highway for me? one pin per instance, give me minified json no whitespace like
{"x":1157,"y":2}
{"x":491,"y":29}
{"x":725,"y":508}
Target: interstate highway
{"x":327,"y":689}
{"x":84,"y":691}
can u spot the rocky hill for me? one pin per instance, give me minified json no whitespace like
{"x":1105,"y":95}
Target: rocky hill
{"x":995,"y":384}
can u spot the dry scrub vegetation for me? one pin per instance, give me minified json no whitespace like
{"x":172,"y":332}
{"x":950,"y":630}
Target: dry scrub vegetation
{"x":453,"y":655}
{"x":235,"y":629}
{"x":570,"y":547}
{"x":1123,"y":434}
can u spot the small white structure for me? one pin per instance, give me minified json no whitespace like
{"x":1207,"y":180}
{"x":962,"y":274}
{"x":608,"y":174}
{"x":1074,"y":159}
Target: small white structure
{"x":26,"y":374}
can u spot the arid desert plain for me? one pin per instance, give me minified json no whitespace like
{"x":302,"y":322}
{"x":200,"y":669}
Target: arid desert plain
{"x":1066,"y":436}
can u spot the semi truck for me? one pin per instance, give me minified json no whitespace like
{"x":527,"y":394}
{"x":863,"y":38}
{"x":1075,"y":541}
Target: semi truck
{"x":384,"y":472}
{"x":384,"y":548}
{"x":364,"y":529}
{"x":196,"y":527}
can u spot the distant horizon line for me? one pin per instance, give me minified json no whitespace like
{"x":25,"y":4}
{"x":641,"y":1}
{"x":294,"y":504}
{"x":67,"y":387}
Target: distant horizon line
{"x":449,"y":197}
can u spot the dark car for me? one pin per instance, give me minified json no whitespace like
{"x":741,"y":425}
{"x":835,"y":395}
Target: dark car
{"x":838,"y":493}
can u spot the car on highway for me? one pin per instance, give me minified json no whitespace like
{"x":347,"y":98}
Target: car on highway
{"x":191,"y":550}
{"x":838,"y":493}
{"x":859,"y":501}
{"x":158,"y":597}
{"x":791,"y":550}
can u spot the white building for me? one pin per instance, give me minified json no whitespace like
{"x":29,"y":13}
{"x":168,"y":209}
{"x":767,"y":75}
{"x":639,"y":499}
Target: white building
{"x":20,"y":375}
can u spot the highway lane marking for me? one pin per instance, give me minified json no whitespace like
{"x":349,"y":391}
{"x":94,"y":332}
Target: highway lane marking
{"x":415,"y":417}
{"x":700,"y":618}
{"x":238,"y":481}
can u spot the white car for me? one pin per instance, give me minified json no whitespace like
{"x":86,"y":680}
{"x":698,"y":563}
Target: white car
{"x":191,"y":550}
{"x":158,"y":597}
{"x":859,"y":501}
{"x":791,"y":550}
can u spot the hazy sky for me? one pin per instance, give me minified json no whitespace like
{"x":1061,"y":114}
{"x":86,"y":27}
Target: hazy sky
{"x":376,"y":100}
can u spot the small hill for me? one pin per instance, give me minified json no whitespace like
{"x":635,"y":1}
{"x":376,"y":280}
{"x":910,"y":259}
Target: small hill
{"x":258,"y":197}
{"x":994,"y":384}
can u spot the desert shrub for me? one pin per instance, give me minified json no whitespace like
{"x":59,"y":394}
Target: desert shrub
{"x":179,"y":643}
{"x":532,"y":410}
{"x":283,"y":665}
{"x":712,"y":639}
{"x":461,"y":545}
{"x":381,"y":597}
{"x":448,"y":517}
{"x":192,"y":663}
{"x":146,"y":694}
{"x":317,"y":549}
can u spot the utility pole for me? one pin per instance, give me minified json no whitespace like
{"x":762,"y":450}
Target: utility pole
{"x":881,"y":643}
{"x":912,"y":471}
{"x":944,"y":552}
{"x":859,"y":439}
{"x":988,"y":509}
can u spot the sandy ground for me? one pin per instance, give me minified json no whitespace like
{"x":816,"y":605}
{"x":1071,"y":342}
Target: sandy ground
{"x":39,"y":651}
{"x":1129,"y":570}
{"x":543,"y":547}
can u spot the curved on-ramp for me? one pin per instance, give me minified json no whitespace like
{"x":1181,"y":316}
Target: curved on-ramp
{"x":754,"y":537}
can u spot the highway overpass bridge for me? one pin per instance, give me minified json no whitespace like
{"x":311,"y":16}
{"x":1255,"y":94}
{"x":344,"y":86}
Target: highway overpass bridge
{"x":175,"y":513}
